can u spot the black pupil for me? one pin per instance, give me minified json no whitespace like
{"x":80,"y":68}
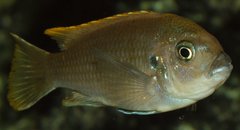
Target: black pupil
{"x":153,"y":62}
{"x":184,"y":52}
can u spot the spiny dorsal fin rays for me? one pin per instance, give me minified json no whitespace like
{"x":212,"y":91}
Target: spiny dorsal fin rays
{"x":63,"y":35}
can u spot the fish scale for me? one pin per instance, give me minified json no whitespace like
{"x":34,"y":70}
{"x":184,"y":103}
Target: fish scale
{"x":69,"y":66}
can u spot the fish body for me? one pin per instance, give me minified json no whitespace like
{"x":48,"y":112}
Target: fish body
{"x":137,"y":61}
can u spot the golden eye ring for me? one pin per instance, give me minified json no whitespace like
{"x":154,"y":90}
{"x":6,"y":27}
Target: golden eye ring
{"x":185,"y":50}
{"x":185,"y":53}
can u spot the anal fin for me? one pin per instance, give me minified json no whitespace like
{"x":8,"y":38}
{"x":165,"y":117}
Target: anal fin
{"x":78,"y":99}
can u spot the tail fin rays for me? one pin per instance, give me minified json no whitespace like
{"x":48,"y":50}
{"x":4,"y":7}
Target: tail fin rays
{"x":27,"y":80}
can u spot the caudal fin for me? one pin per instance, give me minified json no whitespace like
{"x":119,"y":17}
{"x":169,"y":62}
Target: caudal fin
{"x":27,"y":80}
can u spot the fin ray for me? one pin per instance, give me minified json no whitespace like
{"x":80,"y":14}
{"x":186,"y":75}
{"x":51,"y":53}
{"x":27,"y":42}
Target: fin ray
{"x":77,"y":99}
{"x":126,"y":83}
{"x":27,"y":82}
{"x":63,"y":35}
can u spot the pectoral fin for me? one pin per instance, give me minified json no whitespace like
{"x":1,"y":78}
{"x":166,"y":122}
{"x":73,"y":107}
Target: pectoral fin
{"x":127,"y":86}
{"x":120,"y":71}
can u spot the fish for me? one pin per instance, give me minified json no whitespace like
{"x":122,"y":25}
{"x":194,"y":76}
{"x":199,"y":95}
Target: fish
{"x":138,"y":62}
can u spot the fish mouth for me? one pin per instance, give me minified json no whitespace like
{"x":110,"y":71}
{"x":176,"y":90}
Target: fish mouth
{"x":215,"y":75}
{"x":221,"y":67}
{"x":220,"y":70}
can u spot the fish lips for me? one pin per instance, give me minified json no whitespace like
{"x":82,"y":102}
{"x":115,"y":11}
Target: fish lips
{"x":220,"y":70}
{"x":221,"y":67}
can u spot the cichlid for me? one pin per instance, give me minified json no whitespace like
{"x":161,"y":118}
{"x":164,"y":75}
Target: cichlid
{"x":139,"y":62}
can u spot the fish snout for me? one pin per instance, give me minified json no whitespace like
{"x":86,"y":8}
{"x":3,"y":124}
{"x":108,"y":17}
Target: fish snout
{"x":221,"y":65}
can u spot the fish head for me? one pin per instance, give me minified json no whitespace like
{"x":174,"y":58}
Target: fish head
{"x":192,"y":62}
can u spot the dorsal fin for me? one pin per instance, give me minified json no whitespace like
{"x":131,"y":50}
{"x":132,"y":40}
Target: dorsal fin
{"x":63,"y":35}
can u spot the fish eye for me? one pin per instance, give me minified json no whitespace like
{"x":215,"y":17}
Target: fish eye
{"x":154,"y":62}
{"x":185,"y":53}
{"x":185,"y":50}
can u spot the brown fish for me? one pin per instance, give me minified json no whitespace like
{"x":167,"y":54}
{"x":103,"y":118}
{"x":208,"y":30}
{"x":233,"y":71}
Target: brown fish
{"x":143,"y":62}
